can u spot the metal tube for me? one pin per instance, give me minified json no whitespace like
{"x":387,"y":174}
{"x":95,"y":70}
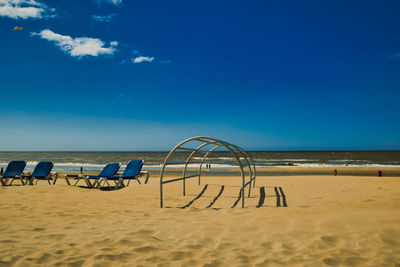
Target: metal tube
{"x":248,"y":164}
{"x":164,"y":165}
{"x":234,"y":150}
{"x":227,"y":145}
{"x":187,"y":161}
{"x":178,"y":179}
{"x":248,"y":157}
{"x":205,"y":156}
{"x":190,"y":149}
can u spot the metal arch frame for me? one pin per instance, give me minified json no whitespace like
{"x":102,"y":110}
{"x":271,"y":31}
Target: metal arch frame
{"x":234,"y":151}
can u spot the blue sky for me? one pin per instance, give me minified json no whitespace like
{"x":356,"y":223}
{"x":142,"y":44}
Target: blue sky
{"x":143,"y":75}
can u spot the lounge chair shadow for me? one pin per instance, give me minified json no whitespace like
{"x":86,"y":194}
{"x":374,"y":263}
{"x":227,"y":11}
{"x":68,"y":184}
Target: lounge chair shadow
{"x":85,"y":187}
{"x":110,"y":188}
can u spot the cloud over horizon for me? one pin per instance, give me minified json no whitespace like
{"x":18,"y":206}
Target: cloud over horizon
{"x":25,"y":9}
{"x":79,"y":46}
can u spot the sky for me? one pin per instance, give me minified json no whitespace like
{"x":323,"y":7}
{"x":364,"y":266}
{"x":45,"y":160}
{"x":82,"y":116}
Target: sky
{"x":115,"y":75}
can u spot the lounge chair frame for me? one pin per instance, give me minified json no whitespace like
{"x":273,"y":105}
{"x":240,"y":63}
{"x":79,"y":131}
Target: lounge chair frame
{"x":78,"y":178}
{"x":52,"y":176}
{"x":21,"y":178}
{"x":31,"y":177}
{"x":17,"y":170}
{"x":119,"y":183}
{"x":119,"y":180}
{"x":97,"y":179}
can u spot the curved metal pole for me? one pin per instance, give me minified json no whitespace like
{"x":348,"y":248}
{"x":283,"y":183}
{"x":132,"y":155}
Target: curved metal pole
{"x":187,"y":162}
{"x":165,"y":164}
{"x":169,"y":156}
{"x":208,"y":140}
{"x":226,"y":145}
{"x":247,"y":157}
{"x":238,"y":149}
{"x":205,"y":156}
{"x":252,"y":163}
{"x":243,"y":175}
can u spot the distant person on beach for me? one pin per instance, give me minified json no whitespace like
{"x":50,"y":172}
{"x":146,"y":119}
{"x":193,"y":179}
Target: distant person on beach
{"x":81,"y":169}
{"x":380,"y":173}
{"x":335,"y":172}
{"x":1,"y":171}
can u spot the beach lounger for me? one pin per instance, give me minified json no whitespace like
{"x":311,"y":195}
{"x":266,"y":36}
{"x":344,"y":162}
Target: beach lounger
{"x":13,"y":171}
{"x":42,"y":171}
{"x":131,"y":172}
{"x":108,"y":171}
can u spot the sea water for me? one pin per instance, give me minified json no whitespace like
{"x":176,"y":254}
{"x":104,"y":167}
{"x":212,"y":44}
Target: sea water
{"x":95,"y":161}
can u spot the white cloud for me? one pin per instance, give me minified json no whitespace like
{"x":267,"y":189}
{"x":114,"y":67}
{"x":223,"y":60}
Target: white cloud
{"x":114,"y":2}
{"x":24,"y":9}
{"x":142,"y":59}
{"x":79,"y":46}
{"x":106,"y":18}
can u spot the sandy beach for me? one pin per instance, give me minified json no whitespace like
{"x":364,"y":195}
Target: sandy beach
{"x":332,"y":221}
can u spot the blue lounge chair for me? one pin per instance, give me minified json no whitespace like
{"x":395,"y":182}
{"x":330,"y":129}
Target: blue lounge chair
{"x":108,"y":171}
{"x":42,"y":171}
{"x":13,"y":171}
{"x":134,"y":171}
{"x":131,"y":172}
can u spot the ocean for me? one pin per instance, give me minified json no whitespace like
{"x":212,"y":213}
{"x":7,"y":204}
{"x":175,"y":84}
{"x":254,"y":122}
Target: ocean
{"x":264,"y":160}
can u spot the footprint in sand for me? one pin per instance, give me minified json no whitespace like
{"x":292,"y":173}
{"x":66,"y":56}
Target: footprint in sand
{"x":330,"y":262}
{"x":353,"y":261}
{"x":155,"y":259}
{"x":144,"y":232}
{"x":390,"y":237}
{"x":127,"y":243}
{"x":44,"y":258}
{"x":55,"y":236}
{"x":332,"y":240}
{"x":180,"y":255}
{"x":146,"y":249}
{"x":113,"y":257}
{"x":213,"y":264}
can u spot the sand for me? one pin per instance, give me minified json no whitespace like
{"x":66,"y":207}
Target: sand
{"x":329,"y":221}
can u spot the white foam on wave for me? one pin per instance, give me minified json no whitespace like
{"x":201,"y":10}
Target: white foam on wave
{"x":283,"y":160}
{"x":325,"y":165}
{"x":191,"y":166}
{"x":97,"y":167}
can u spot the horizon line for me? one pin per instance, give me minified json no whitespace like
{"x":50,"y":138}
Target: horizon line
{"x":163,"y":151}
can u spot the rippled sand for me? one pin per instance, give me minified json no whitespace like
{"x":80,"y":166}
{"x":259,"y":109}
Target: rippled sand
{"x":329,"y":220}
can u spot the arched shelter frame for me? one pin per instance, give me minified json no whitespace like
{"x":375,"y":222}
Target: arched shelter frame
{"x":239,"y":155}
